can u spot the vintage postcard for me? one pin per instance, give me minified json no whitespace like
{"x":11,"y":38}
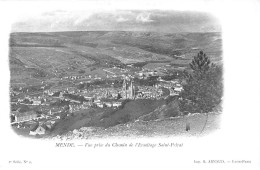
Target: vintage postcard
{"x":130,"y":84}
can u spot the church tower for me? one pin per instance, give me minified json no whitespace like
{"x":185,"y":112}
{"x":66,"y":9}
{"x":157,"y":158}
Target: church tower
{"x":128,"y":90}
{"x":124,"y":89}
{"x":131,"y":90}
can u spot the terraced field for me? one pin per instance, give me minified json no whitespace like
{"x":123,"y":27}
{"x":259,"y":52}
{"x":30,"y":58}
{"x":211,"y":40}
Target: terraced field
{"x":40,"y":56}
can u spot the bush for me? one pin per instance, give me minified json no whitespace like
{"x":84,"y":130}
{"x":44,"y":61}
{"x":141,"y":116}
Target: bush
{"x":173,"y":111}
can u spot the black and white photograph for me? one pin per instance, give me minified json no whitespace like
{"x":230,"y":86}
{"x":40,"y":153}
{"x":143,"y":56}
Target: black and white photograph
{"x":98,"y":77}
{"x":129,"y":73}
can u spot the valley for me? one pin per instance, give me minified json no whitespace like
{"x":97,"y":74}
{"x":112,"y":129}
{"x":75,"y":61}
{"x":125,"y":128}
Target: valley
{"x":62,"y":81}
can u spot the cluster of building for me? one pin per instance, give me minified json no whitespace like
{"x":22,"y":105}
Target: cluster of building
{"x":95,"y":97}
{"x":23,"y":117}
{"x":33,"y":117}
{"x":78,"y":107}
{"x":42,"y":128}
{"x":103,"y":104}
{"x":146,"y":74}
{"x":100,"y":93}
{"x":98,"y":97}
{"x":69,"y":90}
{"x":174,"y":86}
{"x":32,"y":100}
{"x":149,"y":92}
{"x":41,"y":122}
{"x":77,"y":77}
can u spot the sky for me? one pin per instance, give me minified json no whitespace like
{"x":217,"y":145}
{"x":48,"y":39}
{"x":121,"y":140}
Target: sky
{"x":119,"y":20}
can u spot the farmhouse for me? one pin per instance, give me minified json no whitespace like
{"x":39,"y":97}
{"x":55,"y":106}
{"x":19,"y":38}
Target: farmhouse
{"x":50,"y":124}
{"x":26,"y":116}
{"x":117,"y":104}
{"x":100,"y":104}
{"x":40,"y":130}
{"x":37,"y":102}
{"x":108,"y":104}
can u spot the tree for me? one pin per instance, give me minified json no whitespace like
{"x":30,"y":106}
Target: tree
{"x":204,"y":87}
{"x":200,"y":63}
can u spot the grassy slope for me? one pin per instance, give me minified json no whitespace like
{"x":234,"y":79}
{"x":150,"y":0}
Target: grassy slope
{"x":167,"y":127}
{"x":131,"y":111}
{"x":159,"y":128}
{"x":143,"y":123}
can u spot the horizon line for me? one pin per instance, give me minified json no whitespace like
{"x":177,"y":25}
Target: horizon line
{"x":115,"y":31}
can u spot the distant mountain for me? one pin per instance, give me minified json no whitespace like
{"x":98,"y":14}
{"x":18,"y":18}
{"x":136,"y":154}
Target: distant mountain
{"x":46,"y":54}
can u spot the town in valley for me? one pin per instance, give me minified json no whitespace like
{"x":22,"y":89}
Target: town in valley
{"x":64,"y":81}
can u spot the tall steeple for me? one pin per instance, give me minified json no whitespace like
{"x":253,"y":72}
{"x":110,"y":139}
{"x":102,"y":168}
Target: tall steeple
{"x":131,"y":90}
{"x":124,"y":89}
{"x":128,"y":89}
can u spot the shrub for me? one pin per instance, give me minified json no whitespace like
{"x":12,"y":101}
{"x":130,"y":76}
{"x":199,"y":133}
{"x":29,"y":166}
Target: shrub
{"x":173,"y":111}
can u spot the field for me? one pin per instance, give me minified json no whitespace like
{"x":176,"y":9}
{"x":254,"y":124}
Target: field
{"x":42,"y":56}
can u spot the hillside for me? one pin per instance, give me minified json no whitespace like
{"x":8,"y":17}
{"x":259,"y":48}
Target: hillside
{"x":131,"y":45}
{"x":41,"y":56}
{"x":164,"y":120}
{"x":157,"y":128}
